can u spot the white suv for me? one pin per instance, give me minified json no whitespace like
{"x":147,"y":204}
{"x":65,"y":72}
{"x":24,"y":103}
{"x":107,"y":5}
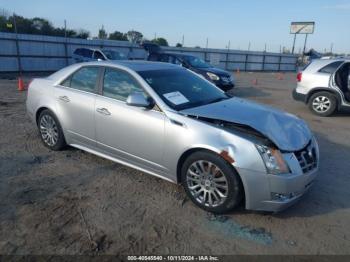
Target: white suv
{"x":324,"y":85}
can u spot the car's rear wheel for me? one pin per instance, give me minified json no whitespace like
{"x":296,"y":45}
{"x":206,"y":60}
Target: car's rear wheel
{"x":211,"y":182}
{"x":323,"y":104}
{"x":50,"y":131}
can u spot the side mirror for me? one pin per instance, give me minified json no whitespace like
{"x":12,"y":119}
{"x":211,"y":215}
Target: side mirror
{"x":139,"y":100}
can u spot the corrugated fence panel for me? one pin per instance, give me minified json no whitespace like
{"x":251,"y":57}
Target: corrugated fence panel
{"x":8,"y":47}
{"x":49,"y":53}
{"x":8,"y":64}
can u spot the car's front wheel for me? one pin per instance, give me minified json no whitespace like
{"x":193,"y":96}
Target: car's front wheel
{"x":211,"y":182}
{"x":323,"y":104}
{"x":50,"y":131}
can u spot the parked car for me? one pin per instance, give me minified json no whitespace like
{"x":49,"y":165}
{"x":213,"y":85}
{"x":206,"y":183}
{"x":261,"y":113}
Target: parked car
{"x":324,"y":86}
{"x":221,"y":78}
{"x":88,"y":54}
{"x":169,"y":122}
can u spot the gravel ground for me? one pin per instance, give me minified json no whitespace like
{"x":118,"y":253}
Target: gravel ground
{"x":72,"y":202}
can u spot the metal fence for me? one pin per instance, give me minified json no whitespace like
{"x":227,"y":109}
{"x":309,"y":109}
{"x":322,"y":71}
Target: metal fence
{"x":36,"y":53}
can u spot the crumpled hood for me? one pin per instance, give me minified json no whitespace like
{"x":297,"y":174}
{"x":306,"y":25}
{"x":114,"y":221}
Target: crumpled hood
{"x":286,"y":131}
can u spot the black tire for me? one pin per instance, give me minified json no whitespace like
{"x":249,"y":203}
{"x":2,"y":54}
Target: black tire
{"x":61,"y":142}
{"x":235,"y":188}
{"x":317,"y":98}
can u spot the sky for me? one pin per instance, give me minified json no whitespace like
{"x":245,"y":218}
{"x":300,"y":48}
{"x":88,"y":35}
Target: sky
{"x":239,"y":22}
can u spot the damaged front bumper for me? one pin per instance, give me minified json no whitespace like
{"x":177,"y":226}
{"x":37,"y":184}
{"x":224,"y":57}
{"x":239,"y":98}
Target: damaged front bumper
{"x":274,"y":193}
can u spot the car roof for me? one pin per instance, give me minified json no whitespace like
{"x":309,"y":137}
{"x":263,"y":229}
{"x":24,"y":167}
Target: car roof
{"x":177,"y":54}
{"x":141,"y":65}
{"x":317,"y":64}
{"x":137,"y":66}
{"x":85,"y":48}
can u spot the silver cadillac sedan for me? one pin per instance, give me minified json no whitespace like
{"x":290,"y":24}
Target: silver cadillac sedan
{"x":169,"y":122}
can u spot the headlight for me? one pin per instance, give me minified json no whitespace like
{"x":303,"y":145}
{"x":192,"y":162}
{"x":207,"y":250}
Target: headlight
{"x":213,"y":76}
{"x":273,"y":160}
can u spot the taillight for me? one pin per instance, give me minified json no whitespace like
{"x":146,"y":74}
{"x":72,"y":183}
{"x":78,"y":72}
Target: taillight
{"x":299,"y":76}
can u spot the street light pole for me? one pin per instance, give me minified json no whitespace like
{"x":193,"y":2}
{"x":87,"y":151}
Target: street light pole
{"x":295,"y":36}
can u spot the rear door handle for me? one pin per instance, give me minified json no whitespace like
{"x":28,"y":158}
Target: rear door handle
{"x":103,"y":111}
{"x":64,"y":98}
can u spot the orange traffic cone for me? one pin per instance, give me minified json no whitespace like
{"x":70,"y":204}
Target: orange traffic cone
{"x":20,"y":84}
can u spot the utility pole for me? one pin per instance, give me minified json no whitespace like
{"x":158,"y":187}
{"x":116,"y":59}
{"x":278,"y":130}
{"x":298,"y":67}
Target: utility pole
{"x":17,"y":46}
{"x":229,"y":44}
{"x":332,"y":48}
{"x":249,"y":46}
{"x":65,"y":42}
{"x":183,"y":40}
{"x":206,"y":45}
{"x":265,"y":48}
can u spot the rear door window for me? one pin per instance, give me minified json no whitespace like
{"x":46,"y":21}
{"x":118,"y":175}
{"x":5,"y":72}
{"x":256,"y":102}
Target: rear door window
{"x":87,"y":53}
{"x":164,"y":58}
{"x":78,"y":51}
{"x":330,"y":68}
{"x":85,"y":79}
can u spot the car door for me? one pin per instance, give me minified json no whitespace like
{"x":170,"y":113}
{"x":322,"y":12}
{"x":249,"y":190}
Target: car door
{"x":75,"y":104}
{"x":132,"y":134}
{"x":340,"y":81}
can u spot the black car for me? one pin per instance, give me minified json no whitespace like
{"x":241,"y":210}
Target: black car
{"x":221,"y":78}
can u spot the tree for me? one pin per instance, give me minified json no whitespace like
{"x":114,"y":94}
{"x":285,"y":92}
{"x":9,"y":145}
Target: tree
{"x":178,"y":45}
{"x":134,"y":36}
{"x":160,"y":41}
{"x":102,"y":34}
{"x":83,"y":34}
{"x":116,"y":35}
{"x":42,"y":26}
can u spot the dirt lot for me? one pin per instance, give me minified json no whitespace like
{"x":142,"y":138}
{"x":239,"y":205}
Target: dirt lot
{"x":72,"y":202}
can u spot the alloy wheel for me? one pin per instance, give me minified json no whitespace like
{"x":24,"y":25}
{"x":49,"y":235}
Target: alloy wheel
{"x":207,"y":183}
{"x":321,"y":104}
{"x":48,"y":130}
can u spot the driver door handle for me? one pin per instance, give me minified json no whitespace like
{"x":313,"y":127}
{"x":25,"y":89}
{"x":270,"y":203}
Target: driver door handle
{"x":64,"y":98}
{"x":103,"y":111}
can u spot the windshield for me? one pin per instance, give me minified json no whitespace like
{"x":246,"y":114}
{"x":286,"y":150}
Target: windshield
{"x":196,"y":62}
{"x":114,"y":55}
{"x":181,"y":89}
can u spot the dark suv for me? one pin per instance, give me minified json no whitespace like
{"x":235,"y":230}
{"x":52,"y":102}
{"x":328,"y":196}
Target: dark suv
{"x":221,"y":78}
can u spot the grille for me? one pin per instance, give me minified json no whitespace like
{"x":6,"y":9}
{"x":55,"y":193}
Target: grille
{"x":307,"y":158}
{"x":226,"y":78}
